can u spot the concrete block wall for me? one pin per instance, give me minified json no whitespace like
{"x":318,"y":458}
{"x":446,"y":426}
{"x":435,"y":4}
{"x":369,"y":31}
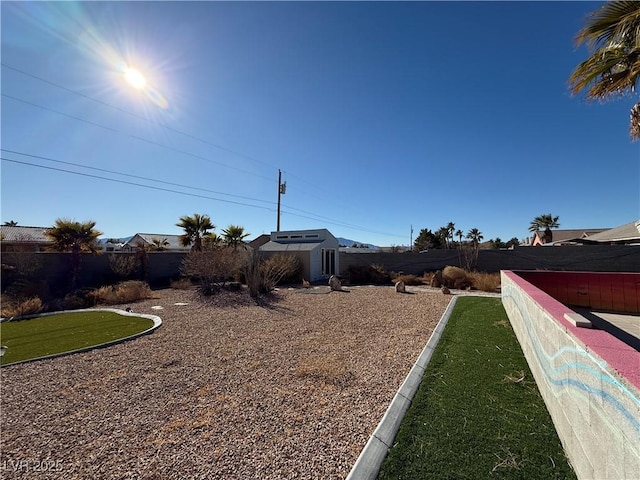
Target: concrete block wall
{"x":590,"y":382}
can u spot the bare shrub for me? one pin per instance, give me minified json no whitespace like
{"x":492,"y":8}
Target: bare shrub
{"x":26,"y":307}
{"x":262,"y":275}
{"x":181,"y":284}
{"x":468,"y":257}
{"x":124,"y":265}
{"x":455,"y":277}
{"x":124,"y":292}
{"x":487,"y":282}
{"x":407,"y":279}
{"x":214,"y":269}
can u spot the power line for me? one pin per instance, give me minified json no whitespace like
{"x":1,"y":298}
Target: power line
{"x":163,"y":125}
{"x":140,"y":117}
{"x":132,"y":136}
{"x":151,"y":187}
{"x":317,"y":217}
{"x":314,"y":216}
{"x":133,"y":183}
{"x":133,"y":176}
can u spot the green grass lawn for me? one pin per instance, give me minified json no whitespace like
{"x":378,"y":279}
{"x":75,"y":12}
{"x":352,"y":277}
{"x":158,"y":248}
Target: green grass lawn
{"x":38,"y":337}
{"x":478,"y":412}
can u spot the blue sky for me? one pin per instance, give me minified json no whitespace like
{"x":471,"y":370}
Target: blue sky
{"x":380,"y":115}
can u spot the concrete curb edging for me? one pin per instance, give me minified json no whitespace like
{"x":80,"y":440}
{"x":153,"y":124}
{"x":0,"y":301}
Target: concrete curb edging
{"x":374,"y":452}
{"x":157,"y":322}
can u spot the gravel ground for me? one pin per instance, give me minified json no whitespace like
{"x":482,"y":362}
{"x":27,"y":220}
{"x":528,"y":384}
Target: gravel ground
{"x":292,"y":388}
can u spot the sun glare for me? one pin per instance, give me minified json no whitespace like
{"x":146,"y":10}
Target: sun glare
{"x":135,"y":78}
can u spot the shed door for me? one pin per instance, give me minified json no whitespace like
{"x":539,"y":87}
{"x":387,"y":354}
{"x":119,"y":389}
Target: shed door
{"x":329,"y":261}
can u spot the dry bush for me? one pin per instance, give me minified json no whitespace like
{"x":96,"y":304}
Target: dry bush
{"x":487,"y":282}
{"x":330,"y":369}
{"x":214,"y":269}
{"x":124,"y":292}
{"x":124,"y":265}
{"x":456,"y":277}
{"x":26,"y":307}
{"x":407,"y":279}
{"x":181,"y":284}
{"x":262,"y":275}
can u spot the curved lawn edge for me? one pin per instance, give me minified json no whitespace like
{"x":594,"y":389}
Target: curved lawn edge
{"x":374,"y":452}
{"x":157,"y":322}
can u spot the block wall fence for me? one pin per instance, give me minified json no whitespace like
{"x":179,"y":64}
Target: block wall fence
{"x":590,"y":380}
{"x":163,"y":266}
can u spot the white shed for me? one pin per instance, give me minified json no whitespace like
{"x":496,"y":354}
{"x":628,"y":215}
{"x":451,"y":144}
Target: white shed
{"x":316,"y":249}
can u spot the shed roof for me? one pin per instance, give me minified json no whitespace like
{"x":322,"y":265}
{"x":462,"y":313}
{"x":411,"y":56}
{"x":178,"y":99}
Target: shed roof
{"x":289,"y":247}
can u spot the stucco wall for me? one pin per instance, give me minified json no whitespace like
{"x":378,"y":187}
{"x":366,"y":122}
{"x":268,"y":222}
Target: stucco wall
{"x":589,"y":381}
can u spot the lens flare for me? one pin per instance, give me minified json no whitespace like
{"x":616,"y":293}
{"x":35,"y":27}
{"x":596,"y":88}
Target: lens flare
{"x":135,"y":78}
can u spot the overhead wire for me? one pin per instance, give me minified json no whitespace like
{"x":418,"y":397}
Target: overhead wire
{"x":314,"y":216}
{"x":161,"y":124}
{"x":151,"y":187}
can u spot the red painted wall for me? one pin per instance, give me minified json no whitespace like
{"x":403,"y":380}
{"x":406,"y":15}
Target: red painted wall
{"x":615,"y":292}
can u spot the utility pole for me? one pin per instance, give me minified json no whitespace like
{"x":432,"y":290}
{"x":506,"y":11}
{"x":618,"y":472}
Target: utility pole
{"x":411,"y":239}
{"x":282,"y":189}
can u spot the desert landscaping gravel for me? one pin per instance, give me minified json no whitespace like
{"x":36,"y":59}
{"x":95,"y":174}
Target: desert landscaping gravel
{"x":225,"y":389}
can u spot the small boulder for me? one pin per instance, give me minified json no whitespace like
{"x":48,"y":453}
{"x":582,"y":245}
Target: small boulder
{"x":400,"y":288}
{"x":436,"y":280}
{"x":446,"y":291}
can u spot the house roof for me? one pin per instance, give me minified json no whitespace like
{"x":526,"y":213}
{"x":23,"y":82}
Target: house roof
{"x":563,"y":236}
{"x":24,"y":234}
{"x":289,"y":247}
{"x":623,"y":233}
{"x":173,"y":240}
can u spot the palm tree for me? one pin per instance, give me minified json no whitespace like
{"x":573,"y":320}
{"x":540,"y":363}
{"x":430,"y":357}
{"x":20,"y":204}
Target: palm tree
{"x":547,"y":222}
{"x":450,"y":229}
{"x":459,"y":235}
{"x":443,"y":235}
{"x":195,"y":228}
{"x":158,"y":245}
{"x":475,"y":236}
{"x":612,"y":34}
{"x":75,"y":237}
{"x":234,"y":235}
{"x":10,"y":223}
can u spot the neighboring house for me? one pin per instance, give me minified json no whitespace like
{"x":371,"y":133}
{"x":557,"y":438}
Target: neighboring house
{"x":628,"y":234}
{"x":24,"y":239}
{"x":259,"y":241}
{"x":564,"y":237}
{"x":147,"y":239}
{"x":316,"y":249}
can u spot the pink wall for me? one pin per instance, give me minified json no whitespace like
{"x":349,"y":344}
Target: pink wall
{"x":616,"y":292}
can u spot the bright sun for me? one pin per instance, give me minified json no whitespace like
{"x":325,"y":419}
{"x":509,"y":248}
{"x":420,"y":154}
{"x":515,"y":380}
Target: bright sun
{"x":135,"y":78}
